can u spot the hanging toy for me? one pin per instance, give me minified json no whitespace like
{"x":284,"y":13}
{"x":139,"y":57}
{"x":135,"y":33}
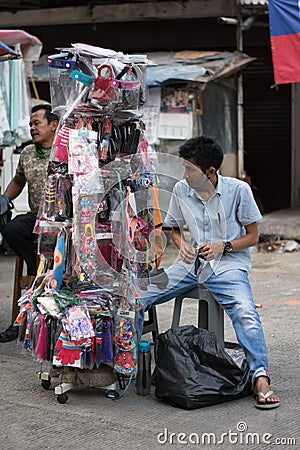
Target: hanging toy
{"x":125,"y":344}
{"x":104,"y":89}
{"x":105,"y":155}
{"x":84,"y":239}
{"x":88,"y":246}
{"x":59,"y":262}
{"x":124,"y":339}
{"x":85,"y":206}
{"x":50,"y":189}
{"x":63,"y":201}
{"x":124,"y":363}
{"x":83,"y":151}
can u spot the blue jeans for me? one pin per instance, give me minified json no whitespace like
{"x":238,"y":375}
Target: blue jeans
{"x":233,"y":292}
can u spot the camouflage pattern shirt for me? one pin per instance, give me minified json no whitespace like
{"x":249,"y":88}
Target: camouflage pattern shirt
{"x":33,"y":169}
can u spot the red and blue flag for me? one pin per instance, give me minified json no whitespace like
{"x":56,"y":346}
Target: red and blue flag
{"x":284,"y":18}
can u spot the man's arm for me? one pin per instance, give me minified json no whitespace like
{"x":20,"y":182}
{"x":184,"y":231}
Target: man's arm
{"x":210,"y":250}
{"x":250,"y":238}
{"x":15,"y":187}
{"x":187,"y":252}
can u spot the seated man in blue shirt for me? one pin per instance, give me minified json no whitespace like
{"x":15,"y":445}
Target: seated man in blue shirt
{"x":220,"y":214}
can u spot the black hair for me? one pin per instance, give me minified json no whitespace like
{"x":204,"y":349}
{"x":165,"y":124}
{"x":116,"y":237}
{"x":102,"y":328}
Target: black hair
{"x":49,"y":115}
{"x":205,"y":151}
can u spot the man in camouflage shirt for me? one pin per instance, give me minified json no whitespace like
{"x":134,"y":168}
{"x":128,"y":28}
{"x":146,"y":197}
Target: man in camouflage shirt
{"x":31,"y":169}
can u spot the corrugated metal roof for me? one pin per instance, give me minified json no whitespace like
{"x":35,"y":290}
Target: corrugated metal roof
{"x":200,"y":67}
{"x":254,"y":2}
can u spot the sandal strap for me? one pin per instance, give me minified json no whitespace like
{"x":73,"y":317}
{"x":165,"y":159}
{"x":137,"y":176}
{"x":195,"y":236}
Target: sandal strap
{"x":265,"y":396}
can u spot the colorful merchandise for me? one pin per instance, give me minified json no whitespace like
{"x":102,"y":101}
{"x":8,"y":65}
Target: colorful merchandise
{"x":97,"y":218}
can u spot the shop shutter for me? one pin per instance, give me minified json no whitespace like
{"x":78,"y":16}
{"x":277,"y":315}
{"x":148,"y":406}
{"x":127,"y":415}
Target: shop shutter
{"x":267,"y":131}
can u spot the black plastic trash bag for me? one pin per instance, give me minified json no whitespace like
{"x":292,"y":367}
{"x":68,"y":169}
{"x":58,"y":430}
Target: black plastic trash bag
{"x":193,"y":370}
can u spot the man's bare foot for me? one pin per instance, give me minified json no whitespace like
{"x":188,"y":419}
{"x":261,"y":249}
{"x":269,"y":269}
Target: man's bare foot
{"x":265,"y":397}
{"x":26,"y":282}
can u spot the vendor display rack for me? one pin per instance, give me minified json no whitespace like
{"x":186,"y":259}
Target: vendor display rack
{"x":97,"y":225}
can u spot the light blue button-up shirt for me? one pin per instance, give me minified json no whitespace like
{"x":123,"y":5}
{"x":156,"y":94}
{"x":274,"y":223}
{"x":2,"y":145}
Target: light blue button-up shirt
{"x":222,"y":218}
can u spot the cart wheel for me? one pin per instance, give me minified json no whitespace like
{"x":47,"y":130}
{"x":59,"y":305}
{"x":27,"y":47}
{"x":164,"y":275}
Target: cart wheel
{"x":111,"y":394}
{"x":46,"y":384}
{"x":62,"y":398}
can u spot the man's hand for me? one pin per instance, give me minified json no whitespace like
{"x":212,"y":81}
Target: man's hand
{"x":210,"y":250}
{"x":187,"y":252}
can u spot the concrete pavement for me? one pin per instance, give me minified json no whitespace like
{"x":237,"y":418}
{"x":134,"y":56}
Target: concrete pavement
{"x":32,"y":418}
{"x":284,"y":223}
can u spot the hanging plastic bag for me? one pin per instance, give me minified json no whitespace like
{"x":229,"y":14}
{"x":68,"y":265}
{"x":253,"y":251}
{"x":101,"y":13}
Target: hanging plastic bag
{"x":70,"y":79}
{"x":118,"y":85}
{"x":193,"y":370}
{"x":5,"y":211}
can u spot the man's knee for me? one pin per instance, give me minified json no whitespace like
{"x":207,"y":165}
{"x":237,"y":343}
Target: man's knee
{"x":9,"y":232}
{"x":20,"y":228}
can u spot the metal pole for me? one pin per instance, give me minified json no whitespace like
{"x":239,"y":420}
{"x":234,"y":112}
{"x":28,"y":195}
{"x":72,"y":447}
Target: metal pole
{"x":240,"y":101}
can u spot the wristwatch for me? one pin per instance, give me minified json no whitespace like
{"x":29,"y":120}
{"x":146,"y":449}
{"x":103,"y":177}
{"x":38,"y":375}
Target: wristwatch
{"x":227,"y":247}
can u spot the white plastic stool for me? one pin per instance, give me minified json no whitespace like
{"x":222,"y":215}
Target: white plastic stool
{"x":210,"y":313}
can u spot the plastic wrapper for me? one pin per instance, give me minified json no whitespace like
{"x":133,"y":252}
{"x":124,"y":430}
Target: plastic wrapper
{"x":47,"y":242}
{"x":65,"y":87}
{"x":83,"y":157}
{"x":78,"y":323}
{"x":58,"y":261}
{"x":108,"y":253}
{"x":193,"y":370}
{"x":49,"y":306}
{"x":125,"y":138}
{"x":60,"y":146}
{"x":84,"y":239}
{"x":125,"y":337}
{"x":118,"y":85}
{"x":104,"y":341}
{"x":58,"y":198}
{"x":141,"y":244}
{"x":97,"y":300}
{"x":42,"y":344}
{"x":87,"y":187}
{"x":125,"y":342}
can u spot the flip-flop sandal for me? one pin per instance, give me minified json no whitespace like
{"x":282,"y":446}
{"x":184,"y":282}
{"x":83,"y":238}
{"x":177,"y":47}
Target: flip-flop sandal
{"x":265,"y":405}
{"x":10,"y":334}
